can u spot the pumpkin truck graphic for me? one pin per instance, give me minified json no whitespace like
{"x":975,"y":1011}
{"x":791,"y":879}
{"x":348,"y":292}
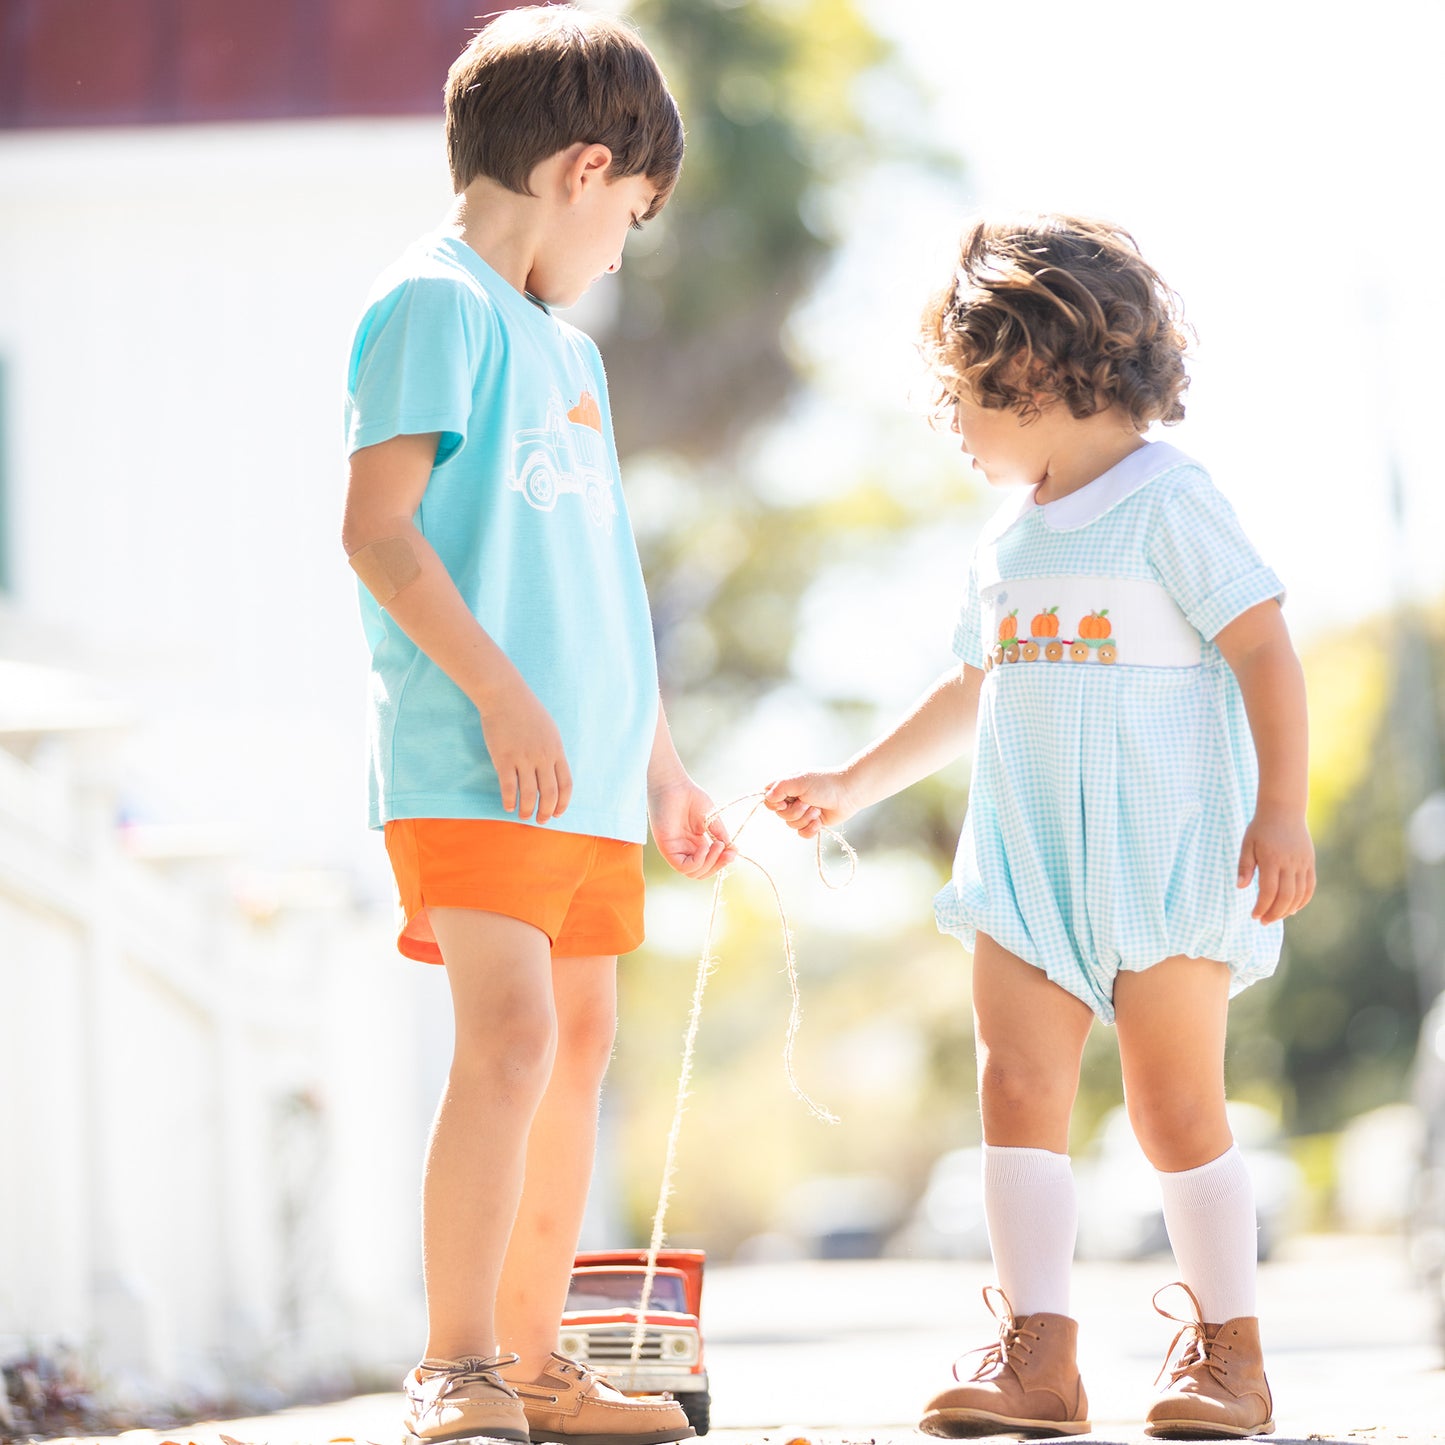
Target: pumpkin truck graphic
{"x":567,"y":455}
{"x":1094,"y":640}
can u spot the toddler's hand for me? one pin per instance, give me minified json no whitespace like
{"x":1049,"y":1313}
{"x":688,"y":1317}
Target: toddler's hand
{"x":811,"y":802}
{"x":527,"y":752}
{"x":1278,"y":845}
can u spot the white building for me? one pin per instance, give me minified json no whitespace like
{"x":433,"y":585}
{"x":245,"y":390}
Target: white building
{"x":215,"y":1071}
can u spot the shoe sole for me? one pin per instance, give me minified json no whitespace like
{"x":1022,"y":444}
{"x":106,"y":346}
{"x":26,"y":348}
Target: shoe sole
{"x":960,"y":1424}
{"x":1203,"y":1429}
{"x":620,"y":1437}
{"x":512,"y":1437}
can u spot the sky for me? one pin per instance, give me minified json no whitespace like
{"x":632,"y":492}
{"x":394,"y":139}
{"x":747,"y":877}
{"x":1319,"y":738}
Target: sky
{"x":1279,"y":163}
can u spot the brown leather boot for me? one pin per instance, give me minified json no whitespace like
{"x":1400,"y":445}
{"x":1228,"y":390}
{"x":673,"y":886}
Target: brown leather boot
{"x":1028,"y":1381}
{"x":1218,"y":1388}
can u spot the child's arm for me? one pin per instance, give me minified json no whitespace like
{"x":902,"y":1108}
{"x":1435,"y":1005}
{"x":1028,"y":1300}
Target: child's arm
{"x":1256,"y":646}
{"x":678,"y":809}
{"x":932,"y":735}
{"x":405,"y":575}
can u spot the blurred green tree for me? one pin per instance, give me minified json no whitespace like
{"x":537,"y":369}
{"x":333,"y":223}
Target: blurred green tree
{"x":1345,"y":1014}
{"x":767,"y":92}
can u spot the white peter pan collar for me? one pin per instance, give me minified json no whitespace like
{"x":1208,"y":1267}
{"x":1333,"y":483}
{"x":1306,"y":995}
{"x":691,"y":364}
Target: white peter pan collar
{"x":1093,"y":499}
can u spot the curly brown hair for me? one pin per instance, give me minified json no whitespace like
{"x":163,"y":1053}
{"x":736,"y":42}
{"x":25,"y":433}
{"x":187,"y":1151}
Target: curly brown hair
{"x":1057,"y":306}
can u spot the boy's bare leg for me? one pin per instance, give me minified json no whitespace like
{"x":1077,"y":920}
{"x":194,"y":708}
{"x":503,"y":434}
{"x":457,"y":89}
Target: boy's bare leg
{"x":560,"y":1153}
{"x":501,"y":981}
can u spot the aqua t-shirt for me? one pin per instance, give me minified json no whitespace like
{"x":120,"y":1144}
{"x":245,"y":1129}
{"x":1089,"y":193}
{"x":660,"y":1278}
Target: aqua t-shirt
{"x":525,"y":509}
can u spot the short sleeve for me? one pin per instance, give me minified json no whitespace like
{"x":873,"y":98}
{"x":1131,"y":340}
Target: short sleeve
{"x":1200,"y":554}
{"x":968,"y":635}
{"x":414,"y":366}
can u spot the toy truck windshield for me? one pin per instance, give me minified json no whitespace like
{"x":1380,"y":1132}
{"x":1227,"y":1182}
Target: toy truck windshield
{"x":593,"y":1291}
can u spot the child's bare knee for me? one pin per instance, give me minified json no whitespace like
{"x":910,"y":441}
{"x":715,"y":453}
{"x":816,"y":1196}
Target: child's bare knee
{"x":517,"y":1038}
{"x":1015,"y":1086}
{"x":585,"y":1043}
{"x":1179,"y":1131}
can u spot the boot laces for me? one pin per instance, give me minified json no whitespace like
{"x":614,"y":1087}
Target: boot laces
{"x":1012,"y":1343}
{"x":1199,"y":1352}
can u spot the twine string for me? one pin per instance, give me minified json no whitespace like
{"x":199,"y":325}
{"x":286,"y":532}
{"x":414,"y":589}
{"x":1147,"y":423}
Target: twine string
{"x":705,"y":965}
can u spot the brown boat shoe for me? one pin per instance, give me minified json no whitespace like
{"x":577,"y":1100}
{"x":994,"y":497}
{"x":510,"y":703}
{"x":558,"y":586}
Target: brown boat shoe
{"x":1028,"y":1381}
{"x":1217,"y":1389}
{"x":572,"y":1405}
{"x":463,"y":1400}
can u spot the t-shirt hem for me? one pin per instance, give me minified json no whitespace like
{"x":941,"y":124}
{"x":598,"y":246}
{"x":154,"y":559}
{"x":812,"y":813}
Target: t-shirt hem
{"x":589,"y":823}
{"x":371,"y":434}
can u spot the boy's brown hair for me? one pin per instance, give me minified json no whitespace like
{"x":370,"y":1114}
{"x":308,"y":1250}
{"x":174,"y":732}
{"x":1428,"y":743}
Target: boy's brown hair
{"x":1058,"y":306}
{"x":538,"y":79}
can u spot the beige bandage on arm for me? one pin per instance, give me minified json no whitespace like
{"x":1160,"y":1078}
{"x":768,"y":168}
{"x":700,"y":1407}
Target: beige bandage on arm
{"x":386,"y":567}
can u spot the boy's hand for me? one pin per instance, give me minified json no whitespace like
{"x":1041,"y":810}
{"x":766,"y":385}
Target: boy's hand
{"x":1278,"y":844}
{"x":527,"y":752}
{"x":811,"y":802}
{"x":678,"y":812}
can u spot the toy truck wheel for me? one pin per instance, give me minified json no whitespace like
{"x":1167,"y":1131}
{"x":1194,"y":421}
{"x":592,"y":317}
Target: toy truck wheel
{"x":698,"y":1409}
{"x":997,"y":654}
{"x":1107,"y":652}
{"x":1030,"y":651}
{"x":1011,"y":652}
{"x":1054,"y":651}
{"x":1079,"y":651}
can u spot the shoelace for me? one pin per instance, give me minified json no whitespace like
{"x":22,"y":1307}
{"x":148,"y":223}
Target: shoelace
{"x":1012,"y":1338}
{"x":471,"y":1370}
{"x":1199,"y":1352}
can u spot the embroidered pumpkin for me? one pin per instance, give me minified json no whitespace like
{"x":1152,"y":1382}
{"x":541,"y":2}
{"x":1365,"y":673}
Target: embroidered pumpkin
{"x":1046,"y":624}
{"x":1095,"y":624}
{"x":1009,"y":627}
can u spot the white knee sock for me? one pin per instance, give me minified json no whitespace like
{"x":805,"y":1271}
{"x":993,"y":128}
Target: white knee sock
{"x":1033,"y":1218}
{"x":1209,"y":1213}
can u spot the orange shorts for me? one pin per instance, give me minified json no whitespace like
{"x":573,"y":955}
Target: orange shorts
{"x":584,"y":893}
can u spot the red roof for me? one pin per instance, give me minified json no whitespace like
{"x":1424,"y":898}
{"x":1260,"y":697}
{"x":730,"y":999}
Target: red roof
{"x":138,"y":62}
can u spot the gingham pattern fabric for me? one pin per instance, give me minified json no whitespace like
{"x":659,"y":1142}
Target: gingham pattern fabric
{"x":1108,"y":803}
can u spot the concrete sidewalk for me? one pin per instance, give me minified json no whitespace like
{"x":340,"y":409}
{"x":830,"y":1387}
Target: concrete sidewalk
{"x":841,"y":1353}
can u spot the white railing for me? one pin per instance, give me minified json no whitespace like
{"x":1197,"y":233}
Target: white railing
{"x":182,"y":1198}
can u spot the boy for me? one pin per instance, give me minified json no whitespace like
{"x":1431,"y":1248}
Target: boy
{"x":518,"y":748}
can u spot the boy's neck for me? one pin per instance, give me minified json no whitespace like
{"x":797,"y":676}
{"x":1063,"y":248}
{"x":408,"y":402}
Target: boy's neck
{"x":503,"y":227}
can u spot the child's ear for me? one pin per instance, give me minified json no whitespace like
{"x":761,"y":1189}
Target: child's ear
{"x":588,"y":167}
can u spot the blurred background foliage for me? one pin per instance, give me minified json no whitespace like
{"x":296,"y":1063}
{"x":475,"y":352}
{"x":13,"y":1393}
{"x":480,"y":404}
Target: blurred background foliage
{"x":703,"y":341}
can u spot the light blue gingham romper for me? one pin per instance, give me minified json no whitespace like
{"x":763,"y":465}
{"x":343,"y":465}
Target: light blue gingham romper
{"x":1114,"y":772}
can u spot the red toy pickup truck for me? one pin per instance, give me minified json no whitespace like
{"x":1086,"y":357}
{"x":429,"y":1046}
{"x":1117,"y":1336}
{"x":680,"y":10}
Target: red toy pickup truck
{"x":601,"y":1319}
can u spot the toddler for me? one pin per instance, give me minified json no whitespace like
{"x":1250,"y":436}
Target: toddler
{"x":1135,"y":831}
